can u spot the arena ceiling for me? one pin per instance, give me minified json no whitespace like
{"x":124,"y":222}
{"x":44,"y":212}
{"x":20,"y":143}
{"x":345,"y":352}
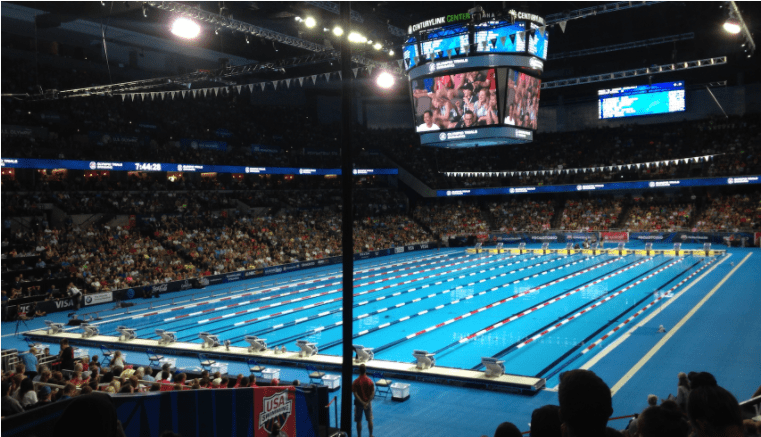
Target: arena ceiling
{"x":386,"y":21}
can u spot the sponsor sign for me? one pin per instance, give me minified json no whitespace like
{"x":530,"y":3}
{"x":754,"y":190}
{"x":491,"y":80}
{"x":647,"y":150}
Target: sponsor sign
{"x":24,"y":131}
{"x":275,"y":405}
{"x":439,"y":21}
{"x":103,"y":297}
{"x":260,"y":148}
{"x":615,"y":236}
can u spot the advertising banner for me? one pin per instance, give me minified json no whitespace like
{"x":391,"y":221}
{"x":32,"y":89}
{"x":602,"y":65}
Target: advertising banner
{"x":274,"y":405}
{"x":105,"y":138}
{"x":615,"y":236}
{"x":103,"y":297}
{"x":260,"y":148}
{"x":24,"y":131}
{"x":756,"y":238}
{"x":204,"y":145}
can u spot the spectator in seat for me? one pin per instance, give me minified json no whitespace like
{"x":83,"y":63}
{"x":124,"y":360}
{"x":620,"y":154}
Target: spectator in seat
{"x":10,"y":406}
{"x":683,"y":391}
{"x":69,"y":391}
{"x":44,"y":397}
{"x":507,"y":429}
{"x":26,"y":394}
{"x":118,"y":360}
{"x":91,"y":415}
{"x":714,"y":412}
{"x":585,"y":405}
{"x":545,"y":422}
{"x":665,"y":420}
{"x":632,"y":429}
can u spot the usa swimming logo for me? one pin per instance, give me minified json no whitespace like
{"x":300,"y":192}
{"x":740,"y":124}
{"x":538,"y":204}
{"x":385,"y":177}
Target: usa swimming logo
{"x":276,"y":408}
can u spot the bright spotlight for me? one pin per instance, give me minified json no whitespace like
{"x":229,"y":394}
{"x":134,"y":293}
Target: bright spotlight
{"x":355,"y":37}
{"x":337,"y":31}
{"x":377,"y":46}
{"x":732,"y":26}
{"x":310,"y":22}
{"x":185,"y":28}
{"x":385,"y":80}
{"x":391,"y":53}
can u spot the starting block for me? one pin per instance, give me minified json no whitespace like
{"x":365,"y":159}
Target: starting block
{"x":89,"y":331}
{"x":53,"y":327}
{"x":494,"y":367}
{"x":209,"y":340}
{"x":424,"y":359}
{"x":166,"y":336}
{"x":256,"y":344}
{"x":307,"y":348}
{"x":364,"y":354}
{"x":127,"y":334}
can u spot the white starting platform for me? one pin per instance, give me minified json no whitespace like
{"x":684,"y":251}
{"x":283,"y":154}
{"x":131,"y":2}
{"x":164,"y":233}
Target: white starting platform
{"x":297,"y":358}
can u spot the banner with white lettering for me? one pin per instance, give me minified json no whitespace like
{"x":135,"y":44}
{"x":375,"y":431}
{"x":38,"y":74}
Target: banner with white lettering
{"x":96,"y":298}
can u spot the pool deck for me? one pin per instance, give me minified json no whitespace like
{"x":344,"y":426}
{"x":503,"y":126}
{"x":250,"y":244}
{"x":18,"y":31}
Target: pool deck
{"x":527,"y":385}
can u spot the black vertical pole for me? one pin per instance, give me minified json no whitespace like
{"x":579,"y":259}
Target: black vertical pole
{"x":347,"y":227}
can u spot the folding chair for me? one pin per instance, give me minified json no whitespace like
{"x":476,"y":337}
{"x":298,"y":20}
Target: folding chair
{"x":382,"y":385}
{"x":107,"y":354}
{"x":254,"y":367}
{"x":315,"y":376}
{"x":206,"y":362}
{"x":154,"y":359}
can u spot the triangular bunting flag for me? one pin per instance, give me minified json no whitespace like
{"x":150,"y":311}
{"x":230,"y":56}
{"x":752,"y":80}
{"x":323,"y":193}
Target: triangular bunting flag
{"x":216,"y":91}
{"x":494,"y":43}
{"x":251,"y":88}
{"x":562,"y":25}
{"x":327,"y":76}
{"x":274,"y":84}
{"x":502,"y":40}
{"x":340,"y":76}
{"x":483,"y":45}
{"x":355,"y":70}
{"x":132,"y":96}
{"x":301,"y":81}
{"x":287,"y":83}
{"x":183,"y":93}
{"x":370,"y":69}
{"x":239,"y":87}
{"x":449,"y":53}
{"x":314,"y":79}
{"x":163,"y":95}
{"x":399,"y":63}
{"x":512,"y":39}
{"x":142,"y":96}
{"x":204,"y":91}
{"x":457,"y":50}
{"x":153,"y":95}
{"x":263,"y":84}
{"x":124,"y":96}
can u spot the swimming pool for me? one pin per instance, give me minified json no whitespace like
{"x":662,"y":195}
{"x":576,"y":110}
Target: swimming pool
{"x":538,"y":313}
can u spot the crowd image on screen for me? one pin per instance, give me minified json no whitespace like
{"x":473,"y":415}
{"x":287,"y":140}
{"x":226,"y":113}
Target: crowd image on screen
{"x":522,"y":100}
{"x":456,"y":101}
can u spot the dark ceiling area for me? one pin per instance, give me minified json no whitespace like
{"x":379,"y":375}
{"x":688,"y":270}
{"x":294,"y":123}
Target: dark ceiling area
{"x":699,"y":23}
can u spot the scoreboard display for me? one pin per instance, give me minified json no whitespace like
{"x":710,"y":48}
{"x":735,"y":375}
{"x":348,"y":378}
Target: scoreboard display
{"x":477,"y":83}
{"x":632,"y":101}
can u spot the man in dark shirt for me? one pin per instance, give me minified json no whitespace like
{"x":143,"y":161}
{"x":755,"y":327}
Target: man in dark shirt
{"x":66,"y":356}
{"x":364,"y":392}
{"x":10,"y":406}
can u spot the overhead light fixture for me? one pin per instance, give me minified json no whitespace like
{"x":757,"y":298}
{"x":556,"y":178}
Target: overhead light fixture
{"x":145,"y":11}
{"x":377,"y":46}
{"x":385,"y":80}
{"x":216,"y":31}
{"x":337,"y":31}
{"x":391,"y":53}
{"x":298,"y":18}
{"x":310,"y":22}
{"x":247,"y":40}
{"x":185,"y":28}
{"x":732,"y":26}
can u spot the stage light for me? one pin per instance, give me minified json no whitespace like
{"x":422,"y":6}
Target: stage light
{"x":337,"y":31}
{"x":732,"y":26}
{"x":185,"y":28}
{"x":377,"y":46}
{"x":298,"y":18}
{"x":354,"y":37}
{"x":385,"y":80}
{"x":391,"y":53}
{"x":310,"y":22}
{"x":247,"y":40}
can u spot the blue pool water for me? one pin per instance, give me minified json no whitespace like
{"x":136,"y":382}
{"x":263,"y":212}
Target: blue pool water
{"x":462,"y":306}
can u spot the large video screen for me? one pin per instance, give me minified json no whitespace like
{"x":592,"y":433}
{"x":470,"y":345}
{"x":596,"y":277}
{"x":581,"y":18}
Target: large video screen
{"x":537,"y":42}
{"x":456,"y":101}
{"x":631,"y":101}
{"x":440,"y":46}
{"x":522,"y":100}
{"x":505,"y":39}
{"x":410,"y":53}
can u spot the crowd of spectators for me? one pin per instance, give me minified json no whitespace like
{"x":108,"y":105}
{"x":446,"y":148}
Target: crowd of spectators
{"x":594,"y":214}
{"x":522,"y":216}
{"x":730,"y":213}
{"x":450,"y":220}
{"x":659,"y":217}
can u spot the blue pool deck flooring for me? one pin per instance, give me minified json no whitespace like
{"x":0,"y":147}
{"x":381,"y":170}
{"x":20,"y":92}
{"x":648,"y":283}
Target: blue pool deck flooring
{"x":720,"y":337}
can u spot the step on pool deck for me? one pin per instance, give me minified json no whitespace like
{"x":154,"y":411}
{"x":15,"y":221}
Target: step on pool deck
{"x":476,"y":379}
